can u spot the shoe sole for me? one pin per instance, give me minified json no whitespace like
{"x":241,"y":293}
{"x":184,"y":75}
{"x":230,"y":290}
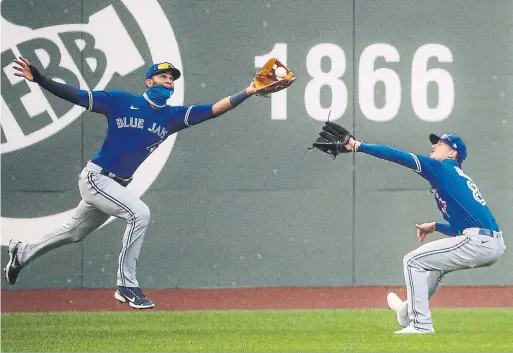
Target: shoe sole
{"x":414,"y":332}
{"x":123,"y":300}
{"x":9,"y":263}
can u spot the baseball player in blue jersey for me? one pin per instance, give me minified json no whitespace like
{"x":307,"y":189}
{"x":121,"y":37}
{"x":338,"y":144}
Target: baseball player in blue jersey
{"x":475,"y":239}
{"x":137,"y":124}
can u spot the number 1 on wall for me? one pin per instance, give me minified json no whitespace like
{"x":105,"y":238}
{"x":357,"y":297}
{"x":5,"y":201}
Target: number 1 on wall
{"x":278,"y":99}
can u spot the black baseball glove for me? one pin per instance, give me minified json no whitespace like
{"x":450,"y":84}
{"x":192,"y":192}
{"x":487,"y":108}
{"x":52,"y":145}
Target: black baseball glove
{"x":332,"y":140}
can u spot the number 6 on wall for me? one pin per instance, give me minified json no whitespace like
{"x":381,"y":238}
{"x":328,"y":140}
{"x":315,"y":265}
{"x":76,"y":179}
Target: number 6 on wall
{"x":421,"y":77}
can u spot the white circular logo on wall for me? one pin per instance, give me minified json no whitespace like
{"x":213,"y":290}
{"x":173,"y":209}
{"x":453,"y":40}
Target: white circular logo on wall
{"x":122,"y":58}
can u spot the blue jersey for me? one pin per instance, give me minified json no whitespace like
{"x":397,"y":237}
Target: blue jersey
{"x":135,"y":129}
{"x":458,"y":198}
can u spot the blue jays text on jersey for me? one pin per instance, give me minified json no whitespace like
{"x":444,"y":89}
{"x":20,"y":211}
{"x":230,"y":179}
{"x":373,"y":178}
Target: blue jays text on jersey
{"x":135,"y":129}
{"x":458,"y":198}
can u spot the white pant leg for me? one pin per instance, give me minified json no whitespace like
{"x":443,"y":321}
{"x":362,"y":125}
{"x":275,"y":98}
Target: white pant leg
{"x":84,"y":221}
{"x":434,"y":280}
{"x":448,"y":254}
{"x":115,"y":200}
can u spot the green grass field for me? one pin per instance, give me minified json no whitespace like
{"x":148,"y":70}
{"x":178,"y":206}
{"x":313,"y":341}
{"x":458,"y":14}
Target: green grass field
{"x":458,"y":330}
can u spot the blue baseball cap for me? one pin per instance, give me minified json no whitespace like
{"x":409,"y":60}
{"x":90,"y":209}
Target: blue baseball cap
{"x":163,"y":67}
{"x":455,"y":142}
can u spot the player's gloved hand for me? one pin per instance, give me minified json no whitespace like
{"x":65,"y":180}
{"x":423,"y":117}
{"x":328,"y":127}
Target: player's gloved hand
{"x":251,"y":89}
{"x":273,"y":77}
{"x":334,"y":139}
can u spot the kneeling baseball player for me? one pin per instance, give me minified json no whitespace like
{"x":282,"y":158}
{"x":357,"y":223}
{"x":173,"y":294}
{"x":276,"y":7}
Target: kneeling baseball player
{"x":475,"y":239}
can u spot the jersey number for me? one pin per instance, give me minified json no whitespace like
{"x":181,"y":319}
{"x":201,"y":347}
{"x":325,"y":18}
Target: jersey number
{"x":473,"y":187}
{"x":475,"y":192}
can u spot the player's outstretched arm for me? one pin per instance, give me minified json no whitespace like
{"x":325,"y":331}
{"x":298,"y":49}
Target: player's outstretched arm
{"x":196,"y":114}
{"x":388,"y":153}
{"x":61,"y":90}
{"x":228,"y":103}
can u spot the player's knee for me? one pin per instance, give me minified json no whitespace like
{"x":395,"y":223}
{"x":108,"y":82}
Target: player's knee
{"x":143,"y":214}
{"x":75,"y":237}
{"x":408,"y":260}
{"x":441,"y":277}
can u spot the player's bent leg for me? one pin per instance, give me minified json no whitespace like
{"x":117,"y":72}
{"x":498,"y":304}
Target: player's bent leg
{"x":137,"y":223}
{"x":440,"y":255}
{"x":114,"y":199}
{"x":122,"y":203}
{"x":417,"y":293}
{"x":83,"y":222}
{"x":434,"y":280}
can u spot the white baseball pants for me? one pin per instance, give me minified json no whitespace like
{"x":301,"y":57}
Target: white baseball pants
{"x":425,"y":267}
{"x":102,"y":197}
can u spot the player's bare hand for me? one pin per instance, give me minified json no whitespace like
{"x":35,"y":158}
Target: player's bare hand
{"x":22,"y":66}
{"x":350,"y":144}
{"x":424,"y":229}
{"x":251,"y":89}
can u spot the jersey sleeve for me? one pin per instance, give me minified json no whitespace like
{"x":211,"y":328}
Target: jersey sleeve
{"x":424,"y":166}
{"x":101,"y":101}
{"x":186,"y":116}
{"x":428,"y":168}
{"x":446,"y":228}
{"x":196,"y":114}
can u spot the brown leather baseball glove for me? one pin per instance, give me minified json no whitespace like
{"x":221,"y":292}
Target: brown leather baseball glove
{"x":266,"y":81}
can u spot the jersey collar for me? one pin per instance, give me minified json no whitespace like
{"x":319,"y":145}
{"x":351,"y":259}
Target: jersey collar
{"x":452,"y":161}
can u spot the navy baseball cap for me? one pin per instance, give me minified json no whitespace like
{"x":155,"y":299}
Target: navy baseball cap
{"x":163,"y":67}
{"x":455,"y":142}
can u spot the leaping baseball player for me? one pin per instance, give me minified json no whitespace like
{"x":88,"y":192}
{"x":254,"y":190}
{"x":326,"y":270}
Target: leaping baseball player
{"x":137,"y":124}
{"x":475,"y":239}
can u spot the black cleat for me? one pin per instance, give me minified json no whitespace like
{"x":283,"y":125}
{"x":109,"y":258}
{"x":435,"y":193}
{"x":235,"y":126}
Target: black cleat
{"x":13,"y":267}
{"x":134,"y":297}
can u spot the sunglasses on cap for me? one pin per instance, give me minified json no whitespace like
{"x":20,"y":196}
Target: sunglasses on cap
{"x":162,"y":67}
